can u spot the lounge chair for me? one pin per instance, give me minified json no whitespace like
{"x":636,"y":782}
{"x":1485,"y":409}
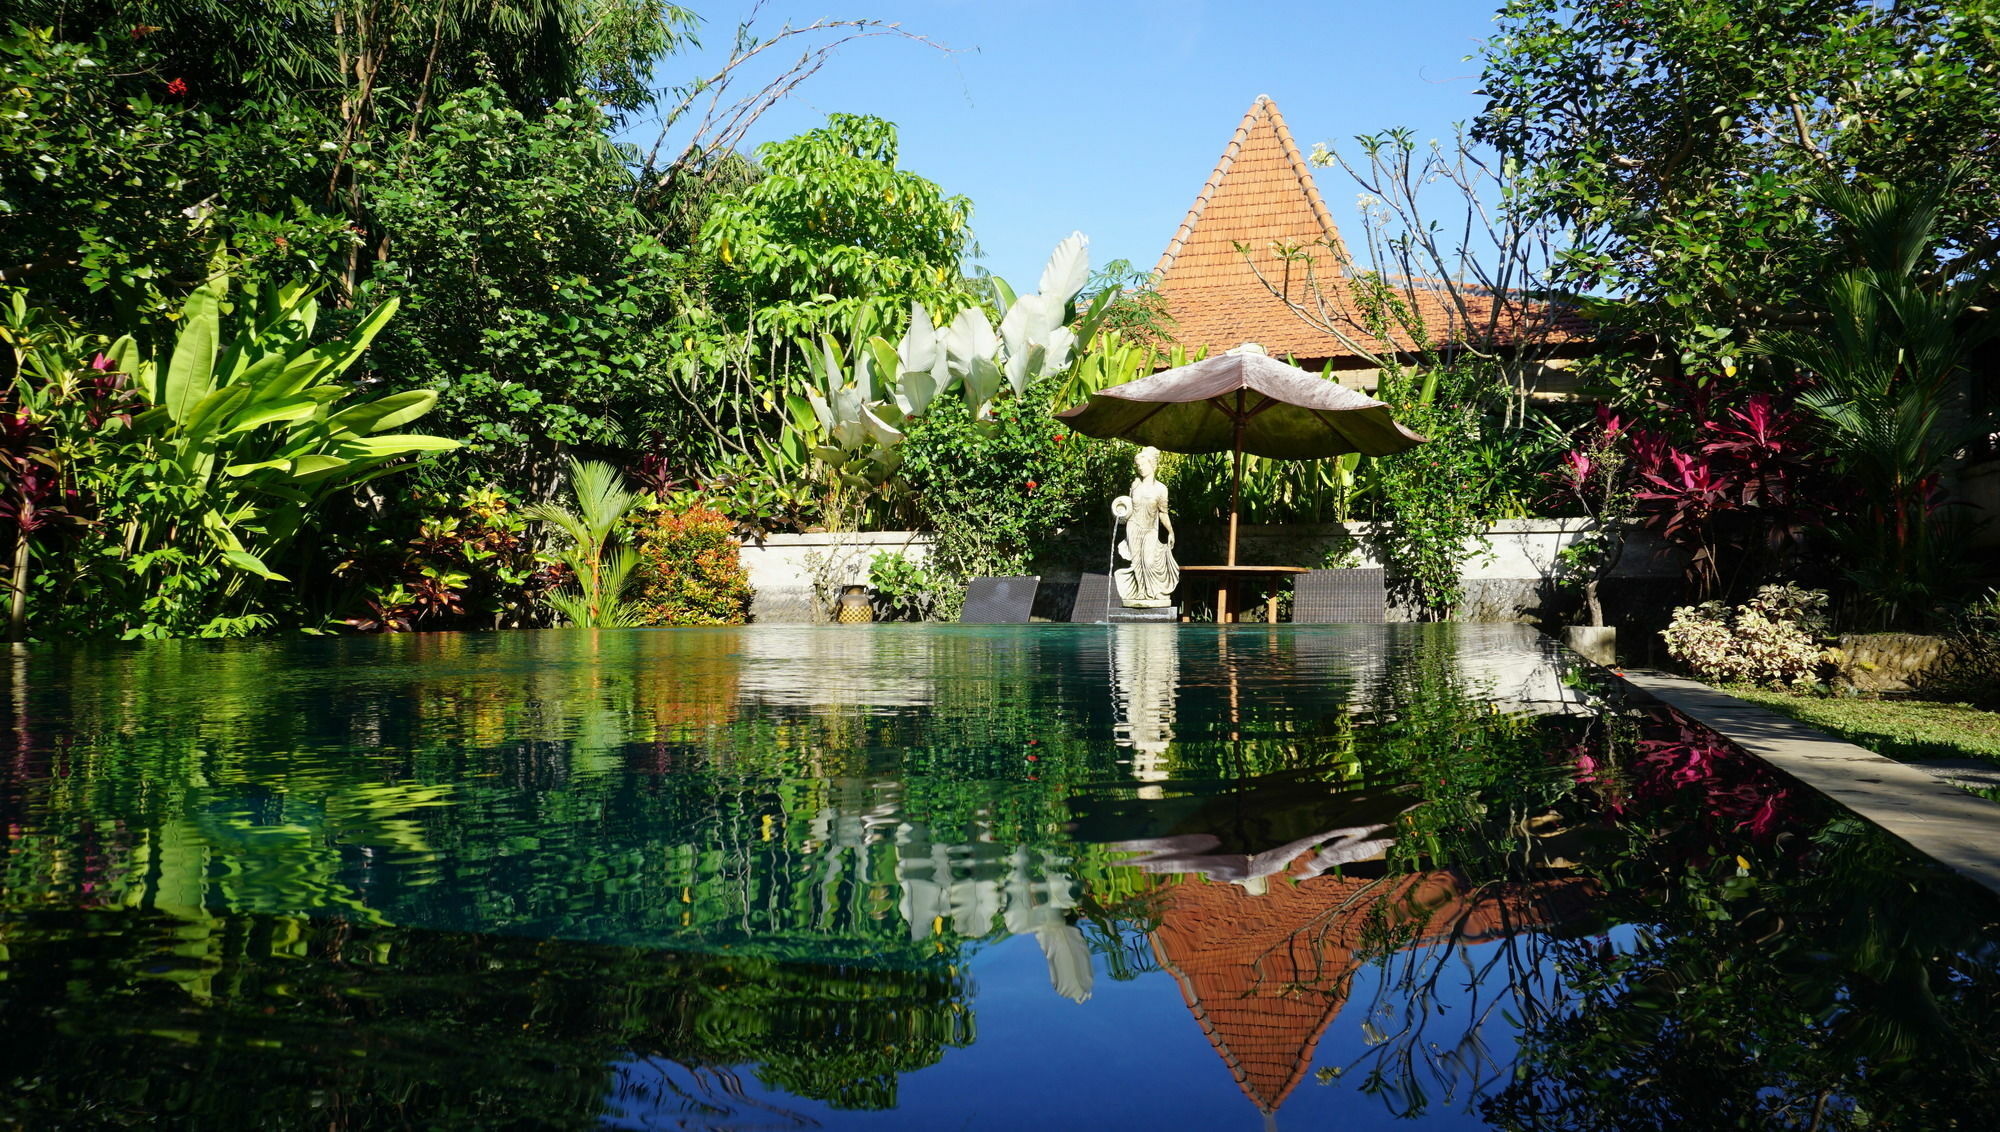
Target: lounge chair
{"x":1093,"y":599}
{"x":1325,"y":597}
{"x":1000,"y":601}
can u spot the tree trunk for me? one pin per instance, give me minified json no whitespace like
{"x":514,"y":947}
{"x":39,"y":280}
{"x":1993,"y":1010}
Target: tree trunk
{"x":17,"y":613}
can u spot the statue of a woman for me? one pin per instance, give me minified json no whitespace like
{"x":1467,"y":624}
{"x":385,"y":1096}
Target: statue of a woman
{"x":1148,"y":583}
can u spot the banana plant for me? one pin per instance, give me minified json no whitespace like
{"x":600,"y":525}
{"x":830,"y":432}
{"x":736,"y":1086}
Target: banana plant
{"x":248,"y":432}
{"x":867,"y":391}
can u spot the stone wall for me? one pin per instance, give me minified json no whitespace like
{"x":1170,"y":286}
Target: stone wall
{"x":1891,"y":662}
{"x":784,"y":569}
{"x":1508,"y":579}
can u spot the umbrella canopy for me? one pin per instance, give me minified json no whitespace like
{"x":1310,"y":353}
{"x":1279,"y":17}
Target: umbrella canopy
{"x":1281,"y":410}
{"x":1242,"y":401}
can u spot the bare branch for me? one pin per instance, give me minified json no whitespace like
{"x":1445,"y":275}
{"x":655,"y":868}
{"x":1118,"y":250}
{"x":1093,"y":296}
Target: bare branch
{"x":723,"y":121}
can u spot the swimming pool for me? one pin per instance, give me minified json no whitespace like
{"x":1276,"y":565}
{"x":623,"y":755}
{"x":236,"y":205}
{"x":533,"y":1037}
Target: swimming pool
{"x":904,"y":876}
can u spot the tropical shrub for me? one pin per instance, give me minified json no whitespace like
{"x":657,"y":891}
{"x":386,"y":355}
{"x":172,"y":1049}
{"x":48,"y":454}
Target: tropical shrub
{"x":1682,"y":173}
{"x":202,"y":463}
{"x":690,"y":568}
{"x":470,"y":565}
{"x":870,"y":394}
{"x":1971,"y":668}
{"x":1594,"y":477}
{"x":1769,"y":639}
{"x":833,"y":226}
{"x":905,"y":590}
{"x":1889,"y":358}
{"x":1731,"y":477}
{"x":599,"y":563}
{"x":995,"y":491}
{"x":1432,"y":502}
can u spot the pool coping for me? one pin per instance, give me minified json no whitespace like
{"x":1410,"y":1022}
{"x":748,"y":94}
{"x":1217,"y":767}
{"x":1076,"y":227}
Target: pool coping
{"x":1958,"y":830}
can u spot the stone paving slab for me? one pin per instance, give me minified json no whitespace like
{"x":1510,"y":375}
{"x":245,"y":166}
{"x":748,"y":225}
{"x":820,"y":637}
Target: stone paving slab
{"x":1977,"y":774}
{"x":1958,"y":830}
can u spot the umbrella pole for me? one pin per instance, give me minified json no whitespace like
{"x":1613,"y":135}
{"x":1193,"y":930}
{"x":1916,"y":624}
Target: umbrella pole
{"x":1236,"y":485}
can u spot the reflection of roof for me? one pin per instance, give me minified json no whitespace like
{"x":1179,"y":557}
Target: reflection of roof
{"x":1264,"y":974}
{"x":1261,"y":195}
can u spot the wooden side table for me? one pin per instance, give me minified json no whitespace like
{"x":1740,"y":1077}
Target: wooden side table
{"x":1229,"y":582}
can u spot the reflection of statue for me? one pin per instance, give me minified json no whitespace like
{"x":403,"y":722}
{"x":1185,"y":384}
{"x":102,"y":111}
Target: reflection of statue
{"x":1148,"y":583}
{"x":1146,"y":661}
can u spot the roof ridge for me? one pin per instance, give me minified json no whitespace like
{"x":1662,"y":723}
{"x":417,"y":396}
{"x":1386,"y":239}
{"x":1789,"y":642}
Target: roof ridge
{"x":1303,"y":171}
{"x":1263,"y":106}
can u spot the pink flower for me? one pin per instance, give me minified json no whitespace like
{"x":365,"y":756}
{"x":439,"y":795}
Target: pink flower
{"x":1577,"y":466}
{"x":100,"y":362}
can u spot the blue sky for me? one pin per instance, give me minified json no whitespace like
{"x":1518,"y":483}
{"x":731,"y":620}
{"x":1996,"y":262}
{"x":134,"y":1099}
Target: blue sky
{"x":1107,"y":117}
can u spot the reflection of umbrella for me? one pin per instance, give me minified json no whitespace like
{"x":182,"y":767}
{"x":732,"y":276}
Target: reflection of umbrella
{"x":1242,"y":401}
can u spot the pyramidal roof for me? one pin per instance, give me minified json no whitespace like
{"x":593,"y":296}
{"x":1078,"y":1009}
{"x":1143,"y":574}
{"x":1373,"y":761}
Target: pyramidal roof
{"x":1265,"y":974}
{"x":1261,"y":195}
{"x":1261,"y":198}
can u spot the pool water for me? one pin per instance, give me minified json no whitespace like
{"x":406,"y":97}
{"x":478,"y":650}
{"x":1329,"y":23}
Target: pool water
{"x":950,"y":877}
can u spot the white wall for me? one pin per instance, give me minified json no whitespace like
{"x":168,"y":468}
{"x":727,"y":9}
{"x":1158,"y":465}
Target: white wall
{"x":1519,"y":557}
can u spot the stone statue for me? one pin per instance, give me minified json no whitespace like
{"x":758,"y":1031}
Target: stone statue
{"x":1148,"y":583}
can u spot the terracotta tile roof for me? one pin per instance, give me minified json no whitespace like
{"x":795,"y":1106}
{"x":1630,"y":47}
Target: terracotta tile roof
{"x":1265,"y":973}
{"x":1262,"y":196}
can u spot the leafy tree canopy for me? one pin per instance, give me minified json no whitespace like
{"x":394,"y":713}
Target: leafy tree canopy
{"x":1675,"y":138}
{"x":834,"y":220}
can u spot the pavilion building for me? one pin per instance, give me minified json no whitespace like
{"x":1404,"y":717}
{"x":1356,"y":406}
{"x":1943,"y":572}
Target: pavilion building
{"x":1259,"y":259}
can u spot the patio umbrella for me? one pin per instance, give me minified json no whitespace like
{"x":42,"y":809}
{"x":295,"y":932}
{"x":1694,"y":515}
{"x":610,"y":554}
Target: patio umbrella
{"x":1242,"y":401}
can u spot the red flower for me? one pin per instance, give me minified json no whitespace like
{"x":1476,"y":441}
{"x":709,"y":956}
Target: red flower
{"x":177,"y":86}
{"x":1032,"y":485}
{"x":278,"y":240}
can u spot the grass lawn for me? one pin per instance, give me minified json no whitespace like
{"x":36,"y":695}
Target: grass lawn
{"x":1900,"y":729}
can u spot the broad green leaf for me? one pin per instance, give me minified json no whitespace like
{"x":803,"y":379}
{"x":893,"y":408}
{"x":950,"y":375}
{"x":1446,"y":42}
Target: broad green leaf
{"x":258,"y":466}
{"x":384,"y":412}
{"x":289,"y":409}
{"x":124,"y":355}
{"x":316,"y":466}
{"x":397,"y":444}
{"x":190,"y":375}
{"x":212,"y":411}
{"x":244,"y":560}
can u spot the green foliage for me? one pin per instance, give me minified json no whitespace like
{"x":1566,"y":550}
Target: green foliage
{"x":1676,"y":141}
{"x":690,"y":568}
{"x":905,"y":590}
{"x":534,"y":299}
{"x":244,"y":442}
{"x":468,"y":565}
{"x":113,"y":188}
{"x":1889,"y":356}
{"x":600,"y":566}
{"x":1432,"y":502}
{"x":866,"y":396}
{"x":995,"y":492}
{"x":834,"y":229}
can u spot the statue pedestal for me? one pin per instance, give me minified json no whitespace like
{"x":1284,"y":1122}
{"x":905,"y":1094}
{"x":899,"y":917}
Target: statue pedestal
{"x":1157,"y":615}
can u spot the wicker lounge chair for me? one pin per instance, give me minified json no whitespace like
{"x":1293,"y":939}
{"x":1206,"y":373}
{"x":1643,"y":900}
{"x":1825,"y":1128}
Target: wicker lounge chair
{"x":1093,"y":599}
{"x":1000,"y":601}
{"x":1340,"y":596}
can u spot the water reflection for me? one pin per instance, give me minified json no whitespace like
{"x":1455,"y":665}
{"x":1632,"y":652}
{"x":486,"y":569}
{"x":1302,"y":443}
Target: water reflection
{"x":733,"y":878}
{"x":1145,"y":666}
